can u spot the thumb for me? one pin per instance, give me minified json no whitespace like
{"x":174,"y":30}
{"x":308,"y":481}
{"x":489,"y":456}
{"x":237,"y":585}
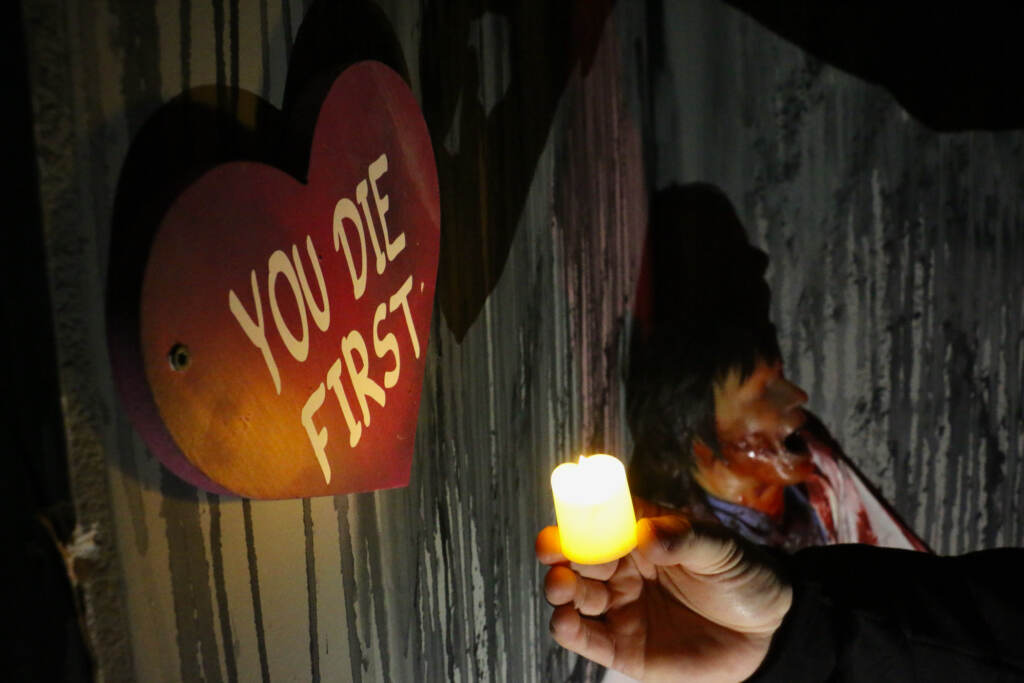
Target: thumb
{"x":673,"y":539}
{"x":715,"y":574}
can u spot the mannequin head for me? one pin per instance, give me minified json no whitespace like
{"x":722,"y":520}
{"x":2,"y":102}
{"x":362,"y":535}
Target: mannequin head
{"x":709,"y":406}
{"x":757,"y":419}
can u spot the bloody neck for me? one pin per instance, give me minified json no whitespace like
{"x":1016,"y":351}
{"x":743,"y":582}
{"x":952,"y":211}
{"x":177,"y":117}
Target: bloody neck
{"x":720,"y":480}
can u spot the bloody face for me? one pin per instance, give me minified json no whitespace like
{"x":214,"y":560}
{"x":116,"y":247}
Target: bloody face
{"x":757,"y":420}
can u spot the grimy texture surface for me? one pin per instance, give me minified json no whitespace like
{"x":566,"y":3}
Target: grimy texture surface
{"x":898,"y":289}
{"x":897,"y":262}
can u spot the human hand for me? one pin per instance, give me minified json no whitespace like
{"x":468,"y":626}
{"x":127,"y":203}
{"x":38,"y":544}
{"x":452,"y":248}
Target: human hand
{"x":686,"y":604}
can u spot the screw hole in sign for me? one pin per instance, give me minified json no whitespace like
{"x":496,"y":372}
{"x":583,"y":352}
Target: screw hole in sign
{"x":179,"y":357}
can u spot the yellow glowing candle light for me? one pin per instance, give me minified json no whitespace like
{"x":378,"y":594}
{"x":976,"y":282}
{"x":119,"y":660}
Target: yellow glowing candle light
{"x":596,"y":522}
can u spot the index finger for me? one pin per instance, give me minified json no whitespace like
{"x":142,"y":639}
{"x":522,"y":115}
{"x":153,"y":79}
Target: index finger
{"x":549,"y":546}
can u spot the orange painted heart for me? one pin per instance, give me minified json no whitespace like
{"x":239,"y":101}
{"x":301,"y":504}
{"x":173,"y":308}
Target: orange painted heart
{"x":284,"y":325}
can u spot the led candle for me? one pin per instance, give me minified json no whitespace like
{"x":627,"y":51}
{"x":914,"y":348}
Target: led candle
{"x":594,"y":510}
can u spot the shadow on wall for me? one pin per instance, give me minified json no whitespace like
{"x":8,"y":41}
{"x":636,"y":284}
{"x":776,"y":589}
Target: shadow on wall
{"x":492,"y":79}
{"x":719,"y":429}
{"x":702,"y":305}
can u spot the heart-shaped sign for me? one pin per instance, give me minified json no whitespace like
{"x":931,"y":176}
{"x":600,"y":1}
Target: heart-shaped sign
{"x":284,"y":325}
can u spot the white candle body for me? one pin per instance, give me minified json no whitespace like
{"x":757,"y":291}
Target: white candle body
{"x":596,"y":522}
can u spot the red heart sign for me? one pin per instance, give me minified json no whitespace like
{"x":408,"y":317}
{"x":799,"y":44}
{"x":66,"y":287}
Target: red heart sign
{"x":284,"y":326}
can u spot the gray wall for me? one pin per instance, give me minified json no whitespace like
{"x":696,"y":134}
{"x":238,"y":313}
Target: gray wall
{"x":896,"y":257}
{"x":897,"y":262}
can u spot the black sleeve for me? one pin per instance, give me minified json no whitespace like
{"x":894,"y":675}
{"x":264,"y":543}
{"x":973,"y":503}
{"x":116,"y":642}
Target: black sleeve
{"x":862,"y":613}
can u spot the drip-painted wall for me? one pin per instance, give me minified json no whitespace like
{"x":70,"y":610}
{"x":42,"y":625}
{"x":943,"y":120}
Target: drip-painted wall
{"x":896,"y":261}
{"x":896,"y":271}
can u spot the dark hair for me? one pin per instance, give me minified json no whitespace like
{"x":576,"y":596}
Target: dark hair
{"x":706,"y":314}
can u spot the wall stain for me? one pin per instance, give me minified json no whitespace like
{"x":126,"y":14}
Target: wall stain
{"x":373,"y":594}
{"x":314,"y":640}
{"x":218,"y":41}
{"x":220,"y":588}
{"x":189,"y":570}
{"x":264,"y":50}
{"x":357,"y":658}
{"x":236,"y":48}
{"x":254,"y":590}
{"x":185,"y":42}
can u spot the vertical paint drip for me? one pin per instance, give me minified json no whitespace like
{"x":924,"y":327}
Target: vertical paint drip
{"x":254,"y":589}
{"x":286,"y":18}
{"x":348,"y":579}
{"x":235,"y":46}
{"x":264,"y":51}
{"x":198,"y":656}
{"x":218,"y":41}
{"x":220,"y":590}
{"x":372,"y":574}
{"x":185,"y":48}
{"x":314,"y":641}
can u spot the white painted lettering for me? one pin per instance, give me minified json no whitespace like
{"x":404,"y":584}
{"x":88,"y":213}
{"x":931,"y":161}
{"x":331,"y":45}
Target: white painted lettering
{"x":389,"y":344}
{"x":355,"y":430}
{"x":342,"y":210}
{"x":361,"y":200}
{"x":255,"y":331}
{"x":362,"y":385}
{"x":280,"y":265}
{"x":401,"y":298}
{"x":321,"y":315}
{"x":377,"y":169}
{"x":317,"y":438}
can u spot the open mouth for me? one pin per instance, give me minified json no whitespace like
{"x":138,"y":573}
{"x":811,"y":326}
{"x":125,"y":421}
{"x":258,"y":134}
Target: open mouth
{"x":796,"y":444}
